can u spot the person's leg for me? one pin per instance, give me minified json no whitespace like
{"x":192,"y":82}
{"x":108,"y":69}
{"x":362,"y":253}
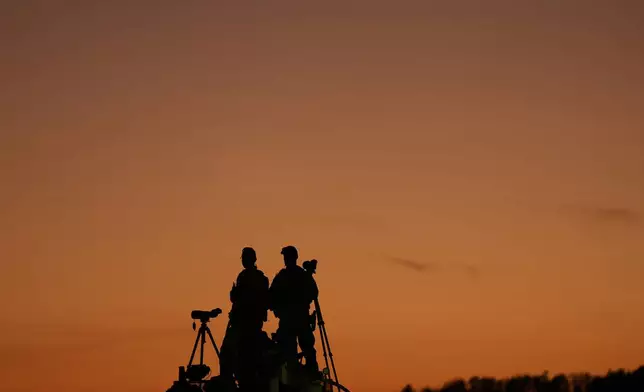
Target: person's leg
{"x":228,"y":354}
{"x":306,"y":341}
{"x":287,"y":339}
{"x":248,"y":364}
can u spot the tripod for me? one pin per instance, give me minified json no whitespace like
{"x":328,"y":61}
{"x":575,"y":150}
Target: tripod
{"x":310,"y":267}
{"x":324,"y":338}
{"x":200,"y":371}
{"x":197,"y":373}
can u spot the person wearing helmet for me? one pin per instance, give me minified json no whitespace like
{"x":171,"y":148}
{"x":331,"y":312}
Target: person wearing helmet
{"x":249,"y":298}
{"x":249,"y":293}
{"x":291,"y":293}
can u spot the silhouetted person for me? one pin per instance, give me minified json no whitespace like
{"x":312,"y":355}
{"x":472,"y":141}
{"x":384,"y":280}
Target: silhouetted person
{"x":241,"y":351}
{"x":291,"y":293}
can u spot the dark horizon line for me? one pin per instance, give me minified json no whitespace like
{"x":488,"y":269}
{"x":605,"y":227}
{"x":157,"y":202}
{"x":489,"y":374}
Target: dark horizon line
{"x":571,"y":380}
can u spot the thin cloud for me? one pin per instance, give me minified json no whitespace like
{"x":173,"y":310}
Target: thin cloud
{"x":605,"y":215}
{"x":624,"y":215}
{"x":411,"y":264}
{"x":472,"y":270}
{"x":421,"y":267}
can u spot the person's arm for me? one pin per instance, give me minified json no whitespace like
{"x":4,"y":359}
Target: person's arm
{"x":271,"y":294}
{"x":313,"y":288}
{"x":274,"y":292}
{"x":316,"y":291}
{"x":233,"y":293}
{"x":265,"y":298}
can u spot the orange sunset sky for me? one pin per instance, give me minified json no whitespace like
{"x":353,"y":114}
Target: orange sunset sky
{"x":469,"y":174}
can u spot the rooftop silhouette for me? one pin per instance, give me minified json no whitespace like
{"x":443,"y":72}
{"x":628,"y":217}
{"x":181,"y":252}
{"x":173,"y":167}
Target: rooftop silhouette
{"x":250,"y":360}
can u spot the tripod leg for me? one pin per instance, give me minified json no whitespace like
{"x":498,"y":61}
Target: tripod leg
{"x":323,"y":342}
{"x":335,"y":374}
{"x":325,"y":338}
{"x":212,"y":340}
{"x":194,"y":349}
{"x":203,"y":342}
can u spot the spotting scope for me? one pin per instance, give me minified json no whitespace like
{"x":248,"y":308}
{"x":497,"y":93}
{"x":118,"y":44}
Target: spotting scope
{"x":205,"y":315}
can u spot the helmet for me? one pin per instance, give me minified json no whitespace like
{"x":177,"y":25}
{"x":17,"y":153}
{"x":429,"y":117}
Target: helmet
{"x":289,"y":251}
{"x":248,"y":253}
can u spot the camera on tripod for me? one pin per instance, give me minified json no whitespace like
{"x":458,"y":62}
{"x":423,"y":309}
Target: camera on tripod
{"x":205,"y":315}
{"x":310,"y":266}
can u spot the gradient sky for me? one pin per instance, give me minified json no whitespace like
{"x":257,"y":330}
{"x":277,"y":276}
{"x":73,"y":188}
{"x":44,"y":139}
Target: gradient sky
{"x":470,"y":176}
